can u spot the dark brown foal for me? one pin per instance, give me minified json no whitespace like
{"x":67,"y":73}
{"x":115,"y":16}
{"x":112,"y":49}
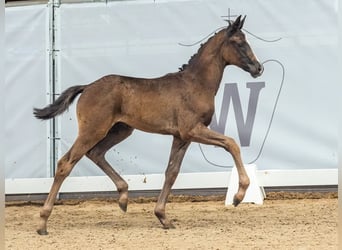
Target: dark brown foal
{"x":180,"y":104}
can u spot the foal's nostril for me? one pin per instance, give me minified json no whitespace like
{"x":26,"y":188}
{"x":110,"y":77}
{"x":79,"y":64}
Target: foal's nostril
{"x":255,"y":68}
{"x":260,"y":68}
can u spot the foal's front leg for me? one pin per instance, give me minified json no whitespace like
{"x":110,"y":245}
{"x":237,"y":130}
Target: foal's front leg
{"x":204,"y":135}
{"x":178,"y":150}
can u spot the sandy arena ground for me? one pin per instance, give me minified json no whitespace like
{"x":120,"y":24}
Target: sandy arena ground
{"x":283,"y":222}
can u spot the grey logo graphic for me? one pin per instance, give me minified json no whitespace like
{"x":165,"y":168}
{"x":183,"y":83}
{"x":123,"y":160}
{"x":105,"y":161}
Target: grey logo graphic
{"x":231,"y":96}
{"x":247,"y":119}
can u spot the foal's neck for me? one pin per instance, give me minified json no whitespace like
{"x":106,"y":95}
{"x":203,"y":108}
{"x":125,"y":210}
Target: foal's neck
{"x":207,"y":66}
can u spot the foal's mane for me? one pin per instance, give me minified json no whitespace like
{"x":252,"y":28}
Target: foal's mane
{"x":195,"y":56}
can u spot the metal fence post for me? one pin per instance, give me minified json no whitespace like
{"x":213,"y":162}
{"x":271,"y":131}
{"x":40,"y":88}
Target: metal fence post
{"x":54,"y":91}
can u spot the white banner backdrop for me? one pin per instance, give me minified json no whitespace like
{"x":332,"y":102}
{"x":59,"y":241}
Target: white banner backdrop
{"x":26,"y":81}
{"x":147,"y":38}
{"x":284,"y":120}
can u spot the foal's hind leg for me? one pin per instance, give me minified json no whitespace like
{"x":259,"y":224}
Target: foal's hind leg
{"x":116,"y":134}
{"x":178,"y":150}
{"x":83,"y":143}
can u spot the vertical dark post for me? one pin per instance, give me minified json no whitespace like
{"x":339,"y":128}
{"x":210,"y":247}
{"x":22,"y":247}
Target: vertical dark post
{"x":53,"y":6}
{"x":2,"y":126}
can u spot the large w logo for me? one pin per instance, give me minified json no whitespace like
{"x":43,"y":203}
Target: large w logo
{"x":244,"y":126}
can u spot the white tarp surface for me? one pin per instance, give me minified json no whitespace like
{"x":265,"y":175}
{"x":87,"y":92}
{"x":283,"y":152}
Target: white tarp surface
{"x":26,"y":142}
{"x":286,"y":119}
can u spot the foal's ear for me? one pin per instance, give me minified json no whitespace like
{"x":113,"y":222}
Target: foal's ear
{"x":242,"y":22}
{"x":233,"y":27}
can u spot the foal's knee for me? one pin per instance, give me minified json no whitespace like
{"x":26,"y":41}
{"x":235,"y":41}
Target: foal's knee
{"x":232,"y":146}
{"x":64,"y":167}
{"x":62,"y":173}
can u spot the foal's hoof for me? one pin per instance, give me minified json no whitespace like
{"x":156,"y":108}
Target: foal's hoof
{"x":168,"y":226}
{"x":236,"y":201}
{"x":123,"y":201}
{"x":42,"y":232}
{"x":123,"y":206}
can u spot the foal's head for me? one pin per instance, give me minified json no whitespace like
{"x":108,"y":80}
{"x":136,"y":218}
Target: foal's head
{"x":236,"y":50}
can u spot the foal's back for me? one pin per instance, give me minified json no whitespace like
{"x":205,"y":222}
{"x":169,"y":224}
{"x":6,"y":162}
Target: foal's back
{"x":157,"y":105}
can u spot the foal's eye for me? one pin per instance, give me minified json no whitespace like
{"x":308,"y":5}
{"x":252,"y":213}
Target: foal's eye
{"x":238,"y":42}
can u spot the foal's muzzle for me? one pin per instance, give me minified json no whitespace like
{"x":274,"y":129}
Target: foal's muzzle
{"x":256,"y":69}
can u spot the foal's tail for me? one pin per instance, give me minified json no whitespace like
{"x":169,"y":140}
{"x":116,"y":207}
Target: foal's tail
{"x":60,"y":105}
